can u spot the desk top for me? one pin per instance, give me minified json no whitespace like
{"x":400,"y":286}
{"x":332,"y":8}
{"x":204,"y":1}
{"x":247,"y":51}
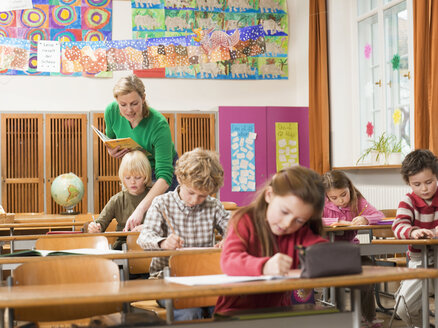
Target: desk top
{"x":357,"y":227}
{"x":69,"y":235}
{"x":133,"y":290}
{"x":432,"y":241}
{"x":114,"y":256}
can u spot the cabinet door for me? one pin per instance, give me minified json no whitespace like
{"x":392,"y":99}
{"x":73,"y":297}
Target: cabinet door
{"x":252,"y":115}
{"x":287,"y":114}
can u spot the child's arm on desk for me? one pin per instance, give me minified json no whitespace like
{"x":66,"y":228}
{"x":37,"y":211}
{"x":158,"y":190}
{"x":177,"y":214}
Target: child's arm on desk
{"x":422,"y":233}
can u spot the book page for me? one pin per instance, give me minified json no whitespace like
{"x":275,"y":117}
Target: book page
{"x":102,"y":136}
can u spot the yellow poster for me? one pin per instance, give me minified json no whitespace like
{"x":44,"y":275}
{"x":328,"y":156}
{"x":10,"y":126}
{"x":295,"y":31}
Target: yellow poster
{"x":286,"y":144}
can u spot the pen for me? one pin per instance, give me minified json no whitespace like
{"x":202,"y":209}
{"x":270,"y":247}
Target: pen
{"x":363,"y":210}
{"x":168,"y":222}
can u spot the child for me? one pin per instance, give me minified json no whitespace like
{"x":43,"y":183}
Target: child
{"x":188,"y":216}
{"x":417,"y":217}
{"x":346,"y":203}
{"x":262,"y":237}
{"x":135,"y":176}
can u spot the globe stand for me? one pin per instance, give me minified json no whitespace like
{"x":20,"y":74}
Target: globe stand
{"x":69,"y":210}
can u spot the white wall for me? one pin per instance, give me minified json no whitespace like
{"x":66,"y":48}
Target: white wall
{"x":69,"y":94}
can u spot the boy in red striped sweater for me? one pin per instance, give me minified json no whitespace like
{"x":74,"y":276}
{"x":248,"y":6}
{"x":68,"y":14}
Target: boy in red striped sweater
{"x":417,"y":218}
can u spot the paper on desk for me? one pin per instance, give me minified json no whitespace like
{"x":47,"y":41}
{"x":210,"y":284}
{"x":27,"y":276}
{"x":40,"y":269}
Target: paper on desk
{"x":218,"y":279}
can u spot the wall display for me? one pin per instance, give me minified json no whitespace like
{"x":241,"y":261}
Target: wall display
{"x":243,"y":157}
{"x":209,"y":18}
{"x":286,"y":135}
{"x":14,"y":53}
{"x":59,"y":20}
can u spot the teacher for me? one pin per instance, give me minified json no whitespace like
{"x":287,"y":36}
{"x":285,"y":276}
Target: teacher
{"x":130,"y":116}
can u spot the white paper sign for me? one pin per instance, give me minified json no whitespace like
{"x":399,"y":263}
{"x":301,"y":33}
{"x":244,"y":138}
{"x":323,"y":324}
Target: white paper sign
{"x":8,"y":5}
{"x":49,"y":59}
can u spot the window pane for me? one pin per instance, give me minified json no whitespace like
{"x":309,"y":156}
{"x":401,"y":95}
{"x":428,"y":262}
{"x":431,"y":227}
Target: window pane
{"x":369,"y":81}
{"x":364,"y":6}
{"x":397,"y":87}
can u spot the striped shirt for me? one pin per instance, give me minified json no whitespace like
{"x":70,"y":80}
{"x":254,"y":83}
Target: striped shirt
{"x":415,"y":213}
{"x":195,"y":225}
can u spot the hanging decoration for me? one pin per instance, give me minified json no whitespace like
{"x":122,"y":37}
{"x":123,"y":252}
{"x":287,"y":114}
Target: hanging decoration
{"x":397,"y":116}
{"x":370,"y":129}
{"x":367,"y":51}
{"x":395,"y":62}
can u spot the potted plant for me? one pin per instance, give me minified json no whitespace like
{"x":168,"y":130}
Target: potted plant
{"x":395,"y":155}
{"x":380,"y":149}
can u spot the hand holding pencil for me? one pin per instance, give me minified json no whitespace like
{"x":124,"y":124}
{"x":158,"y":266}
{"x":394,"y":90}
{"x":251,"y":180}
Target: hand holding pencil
{"x":173,"y":241}
{"x":360,"y":220}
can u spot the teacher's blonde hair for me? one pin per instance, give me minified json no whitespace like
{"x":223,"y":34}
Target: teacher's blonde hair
{"x":128,"y":84}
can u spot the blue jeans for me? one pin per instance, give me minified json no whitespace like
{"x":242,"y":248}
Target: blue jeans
{"x":174,"y":183}
{"x":190,"y":313}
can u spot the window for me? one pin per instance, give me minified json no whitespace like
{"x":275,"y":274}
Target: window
{"x":385,"y":85}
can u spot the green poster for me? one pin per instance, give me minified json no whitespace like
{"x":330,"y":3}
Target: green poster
{"x":286,"y":144}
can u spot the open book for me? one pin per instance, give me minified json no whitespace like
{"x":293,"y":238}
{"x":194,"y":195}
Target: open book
{"x":123,"y":143}
{"x":218,"y":279}
{"x":79,"y":251}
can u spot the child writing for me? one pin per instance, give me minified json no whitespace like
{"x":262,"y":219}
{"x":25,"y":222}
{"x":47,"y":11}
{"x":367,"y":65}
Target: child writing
{"x":417,"y":217}
{"x":262,"y":236}
{"x":188,"y":216}
{"x":135,"y":176}
{"x":346,"y":203}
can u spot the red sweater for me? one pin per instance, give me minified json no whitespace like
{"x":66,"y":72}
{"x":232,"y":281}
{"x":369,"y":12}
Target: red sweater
{"x":244,"y":259}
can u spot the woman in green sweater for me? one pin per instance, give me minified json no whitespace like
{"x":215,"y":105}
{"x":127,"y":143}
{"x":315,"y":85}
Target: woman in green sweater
{"x":130,"y":116}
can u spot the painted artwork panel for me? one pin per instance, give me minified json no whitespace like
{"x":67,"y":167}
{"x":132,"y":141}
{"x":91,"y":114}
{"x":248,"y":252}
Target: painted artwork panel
{"x":243,"y":157}
{"x":89,"y":57}
{"x":286,"y":143}
{"x":14,"y":53}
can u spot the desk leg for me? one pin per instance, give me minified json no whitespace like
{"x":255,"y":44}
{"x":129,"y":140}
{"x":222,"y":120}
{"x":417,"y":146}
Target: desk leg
{"x":357,"y":312}
{"x":2,"y":318}
{"x":425,"y":292}
{"x":435,"y":263}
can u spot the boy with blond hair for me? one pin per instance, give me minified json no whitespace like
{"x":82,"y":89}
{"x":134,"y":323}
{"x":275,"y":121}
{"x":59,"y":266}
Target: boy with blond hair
{"x":417,"y":218}
{"x":187,"y":216}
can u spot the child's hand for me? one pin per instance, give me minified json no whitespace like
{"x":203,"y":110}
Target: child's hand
{"x":279,"y":264}
{"x":94,"y":227}
{"x":138,"y":228}
{"x":172,"y":242}
{"x":219,"y":244}
{"x":422,"y":233}
{"x":360,"y":220}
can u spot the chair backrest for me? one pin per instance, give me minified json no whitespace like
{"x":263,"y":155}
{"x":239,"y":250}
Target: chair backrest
{"x":111,"y":227}
{"x":195,"y":265}
{"x":65,"y":242}
{"x":229,"y":206}
{"x":66,"y":271}
{"x":389,"y":213}
{"x":137,"y":266}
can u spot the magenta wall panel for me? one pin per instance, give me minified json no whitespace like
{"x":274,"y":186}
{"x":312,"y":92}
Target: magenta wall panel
{"x":264,"y":119}
{"x":257,"y":116}
{"x":288,"y":114}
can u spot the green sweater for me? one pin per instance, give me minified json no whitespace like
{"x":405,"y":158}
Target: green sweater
{"x":119,"y":207}
{"x":152,"y":133}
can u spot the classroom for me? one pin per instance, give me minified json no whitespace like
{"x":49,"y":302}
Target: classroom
{"x":349,"y":67}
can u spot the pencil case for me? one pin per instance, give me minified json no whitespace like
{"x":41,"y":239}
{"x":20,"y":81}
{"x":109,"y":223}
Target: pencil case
{"x":329,"y":259}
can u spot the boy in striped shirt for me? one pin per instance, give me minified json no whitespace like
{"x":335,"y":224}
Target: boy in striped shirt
{"x":417,"y":218}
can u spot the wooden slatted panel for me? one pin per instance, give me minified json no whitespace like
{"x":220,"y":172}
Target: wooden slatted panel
{"x":195,"y":130}
{"x":22,"y":162}
{"x":66,"y":151}
{"x":170,"y":117}
{"x":105,"y":168}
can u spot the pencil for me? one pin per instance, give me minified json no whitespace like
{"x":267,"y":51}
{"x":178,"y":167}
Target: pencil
{"x":168,"y":222}
{"x":363,"y":210}
{"x":94,"y":220}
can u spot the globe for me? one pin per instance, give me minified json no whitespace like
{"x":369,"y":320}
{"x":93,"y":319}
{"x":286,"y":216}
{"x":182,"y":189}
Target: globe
{"x":67,"y":190}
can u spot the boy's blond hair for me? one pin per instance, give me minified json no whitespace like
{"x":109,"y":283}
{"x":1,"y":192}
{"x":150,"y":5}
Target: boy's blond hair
{"x":135,"y":163}
{"x":201,"y":170}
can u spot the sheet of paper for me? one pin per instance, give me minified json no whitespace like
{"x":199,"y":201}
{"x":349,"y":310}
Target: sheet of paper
{"x":49,"y":58}
{"x":218,"y":279}
{"x":8,"y":5}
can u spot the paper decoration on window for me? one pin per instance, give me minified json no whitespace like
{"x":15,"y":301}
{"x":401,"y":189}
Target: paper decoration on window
{"x":286,"y":142}
{"x":397,"y":116}
{"x":243,"y":157}
{"x":57,"y":20}
{"x":367,"y":51}
{"x":49,"y":56}
{"x":395,"y":62}
{"x":155,"y":19}
{"x":8,"y":5}
{"x":14,"y":53}
{"x":370,"y":129}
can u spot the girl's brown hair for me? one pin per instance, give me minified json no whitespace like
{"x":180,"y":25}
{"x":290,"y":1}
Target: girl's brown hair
{"x":128,"y":84}
{"x":296,"y":180}
{"x":339,"y":180}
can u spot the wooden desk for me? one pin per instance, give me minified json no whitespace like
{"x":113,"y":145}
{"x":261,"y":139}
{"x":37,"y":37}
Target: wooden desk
{"x":10,"y":263}
{"x":135,"y":290}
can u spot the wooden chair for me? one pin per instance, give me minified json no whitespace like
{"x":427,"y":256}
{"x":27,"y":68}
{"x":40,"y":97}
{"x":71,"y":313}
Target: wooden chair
{"x":229,"y":206}
{"x":64,"y":242}
{"x":66,"y":271}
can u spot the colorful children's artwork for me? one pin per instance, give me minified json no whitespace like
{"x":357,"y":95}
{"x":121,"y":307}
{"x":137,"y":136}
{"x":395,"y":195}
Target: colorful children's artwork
{"x":216,"y":24}
{"x":243,"y":157}
{"x":126,"y":55}
{"x":287,"y":150}
{"x":89,"y":57}
{"x":57,"y":20}
{"x":14,"y":53}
